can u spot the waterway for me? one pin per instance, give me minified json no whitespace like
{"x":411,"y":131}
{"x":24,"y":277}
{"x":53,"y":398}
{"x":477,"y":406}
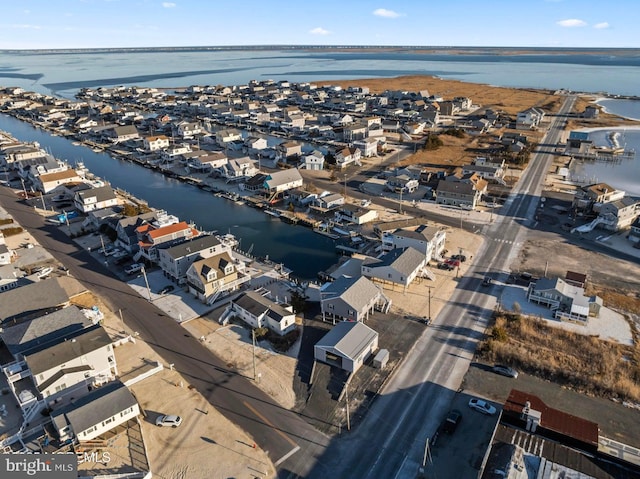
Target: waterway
{"x":624,"y":174}
{"x":298,"y":248}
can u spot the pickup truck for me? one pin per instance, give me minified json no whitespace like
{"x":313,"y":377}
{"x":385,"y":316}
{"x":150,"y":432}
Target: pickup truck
{"x":451,"y":422}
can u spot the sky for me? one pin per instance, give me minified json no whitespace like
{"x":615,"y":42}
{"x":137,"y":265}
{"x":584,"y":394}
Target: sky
{"x":48,"y":24}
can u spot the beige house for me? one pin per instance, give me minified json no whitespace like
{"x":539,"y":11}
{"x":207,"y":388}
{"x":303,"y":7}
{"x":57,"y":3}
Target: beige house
{"x":208,"y":278}
{"x":48,"y":182}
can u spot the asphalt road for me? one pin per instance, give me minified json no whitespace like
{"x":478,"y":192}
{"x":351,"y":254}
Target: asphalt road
{"x":391,"y":440}
{"x":278,"y":431}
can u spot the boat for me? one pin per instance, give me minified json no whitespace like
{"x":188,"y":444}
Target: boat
{"x":272,"y":213}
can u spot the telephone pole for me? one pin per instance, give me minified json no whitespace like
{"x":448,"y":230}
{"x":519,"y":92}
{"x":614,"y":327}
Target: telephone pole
{"x":253,"y":340}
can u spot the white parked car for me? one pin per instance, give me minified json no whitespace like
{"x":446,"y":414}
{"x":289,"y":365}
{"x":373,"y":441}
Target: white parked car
{"x":168,"y":421}
{"x":134,"y":268}
{"x":482,"y":406}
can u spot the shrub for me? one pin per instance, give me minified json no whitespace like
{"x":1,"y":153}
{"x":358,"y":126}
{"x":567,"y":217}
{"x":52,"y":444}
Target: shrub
{"x":499,"y":333}
{"x":457,"y":132}
{"x":261,"y":333}
{"x":283,"y":343}
{"x":6,"y":221}
{"x":14,"y":230}
{"x":433,"y":142}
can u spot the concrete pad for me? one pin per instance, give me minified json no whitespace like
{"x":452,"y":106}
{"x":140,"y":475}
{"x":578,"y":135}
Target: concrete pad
{"x":609,"y":325}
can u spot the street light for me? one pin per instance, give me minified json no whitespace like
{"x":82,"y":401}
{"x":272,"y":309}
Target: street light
{"x":144,"y":273}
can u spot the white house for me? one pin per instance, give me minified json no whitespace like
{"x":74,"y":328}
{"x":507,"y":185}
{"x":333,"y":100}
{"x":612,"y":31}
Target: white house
{"x":155,"y":143}
{"x":368,"y":146}
{"x":81,"y":360}
{"x":355,"y":214}
{"x":429,"y":240}
{"x":399,"y":266}
{"x":260,"y":312}
{"x":283,"y":180}
{"x":94,"y":414}
{"x":314,"y":161}
{"x":95,"y":199}
{"x":50,"y":181}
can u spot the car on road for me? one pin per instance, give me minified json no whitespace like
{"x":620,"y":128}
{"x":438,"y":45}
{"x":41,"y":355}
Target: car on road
{"x":482,"y":406}
{"x":505,"y":371}
{"x":167,"y":289}
{"x":487,"y":281}
{"x":168,"y":421}
{"x":451,"y":422}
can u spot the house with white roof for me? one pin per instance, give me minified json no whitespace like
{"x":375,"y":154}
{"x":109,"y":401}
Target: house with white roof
{"x":355,"y":214}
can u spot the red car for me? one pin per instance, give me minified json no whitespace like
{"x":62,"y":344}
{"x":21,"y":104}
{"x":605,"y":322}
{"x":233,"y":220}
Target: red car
{"x":453,"y":262}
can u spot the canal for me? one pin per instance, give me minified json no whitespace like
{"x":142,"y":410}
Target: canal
{"x":298,"y":248}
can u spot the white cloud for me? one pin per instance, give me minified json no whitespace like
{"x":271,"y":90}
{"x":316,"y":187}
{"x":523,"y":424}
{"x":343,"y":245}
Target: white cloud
{"x":25,"y":26}
{"x":383,"y":12}
{"x":572,"y":22}
{"x":601,"y":25}
{"x":319,"y":31}
{"x":168,"y":4}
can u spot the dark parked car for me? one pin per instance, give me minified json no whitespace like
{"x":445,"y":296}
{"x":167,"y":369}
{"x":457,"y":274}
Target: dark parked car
{"x":167,"y":289}
{"x":505,"y":371}
{"x":460,"y":257}
{"x":487,"y":281}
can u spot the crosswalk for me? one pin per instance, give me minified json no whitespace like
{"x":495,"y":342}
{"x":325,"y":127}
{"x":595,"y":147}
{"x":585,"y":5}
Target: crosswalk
{"x":501,"y":240}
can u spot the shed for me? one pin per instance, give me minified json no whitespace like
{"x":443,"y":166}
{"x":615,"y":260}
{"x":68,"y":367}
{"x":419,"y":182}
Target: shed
{"x":381,"y":359}
{"x":347,"y":345}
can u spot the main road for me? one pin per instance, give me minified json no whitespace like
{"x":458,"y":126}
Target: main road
{"x":390,"y":441}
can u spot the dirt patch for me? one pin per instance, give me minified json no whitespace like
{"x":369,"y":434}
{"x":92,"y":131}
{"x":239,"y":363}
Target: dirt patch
{"x":583,"y":363}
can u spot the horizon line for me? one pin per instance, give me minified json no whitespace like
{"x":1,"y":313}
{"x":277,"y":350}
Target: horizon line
{"x":313,"y":46}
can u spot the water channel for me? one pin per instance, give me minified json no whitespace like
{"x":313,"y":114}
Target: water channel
{"x":298,"y":248}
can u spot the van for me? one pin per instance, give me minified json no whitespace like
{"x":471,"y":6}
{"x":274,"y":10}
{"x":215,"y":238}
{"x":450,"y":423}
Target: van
{"x":134,"y":268}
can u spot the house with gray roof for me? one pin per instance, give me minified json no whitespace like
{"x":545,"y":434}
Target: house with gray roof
{"x":95,"y":198}
{"x":210,"y":277}
{"x":99,"y":411}
{"x":176,"y":260}
{"x":347,"y":346}
{"x":567,"y":301}
{"x":349,"y":298}
{"x":398,"y":266}
{"x":74,"y":362}
{"x":429,"y":240}
{"x":28,"y":336}
{"x":258,"y":311}
{"x":38,"y":298}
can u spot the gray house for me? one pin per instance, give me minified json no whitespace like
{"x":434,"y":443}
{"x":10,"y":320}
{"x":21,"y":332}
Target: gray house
{"x":349,"y":298}
{"x":347,"y":345}
{"x":567,"y":301}
{"x":399,"y":266}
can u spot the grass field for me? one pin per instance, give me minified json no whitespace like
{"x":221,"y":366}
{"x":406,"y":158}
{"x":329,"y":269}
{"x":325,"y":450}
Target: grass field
{"x":582,"y":363}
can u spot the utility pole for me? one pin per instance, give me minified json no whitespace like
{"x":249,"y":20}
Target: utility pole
{"x":253,"y":340}
{"x":401,"y":200}
{"x":144,"y":273}
{"x":346,"y":395}
{"x":24,"y":189}
{"x":429,"y":318}
{"x":345,"y":186}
